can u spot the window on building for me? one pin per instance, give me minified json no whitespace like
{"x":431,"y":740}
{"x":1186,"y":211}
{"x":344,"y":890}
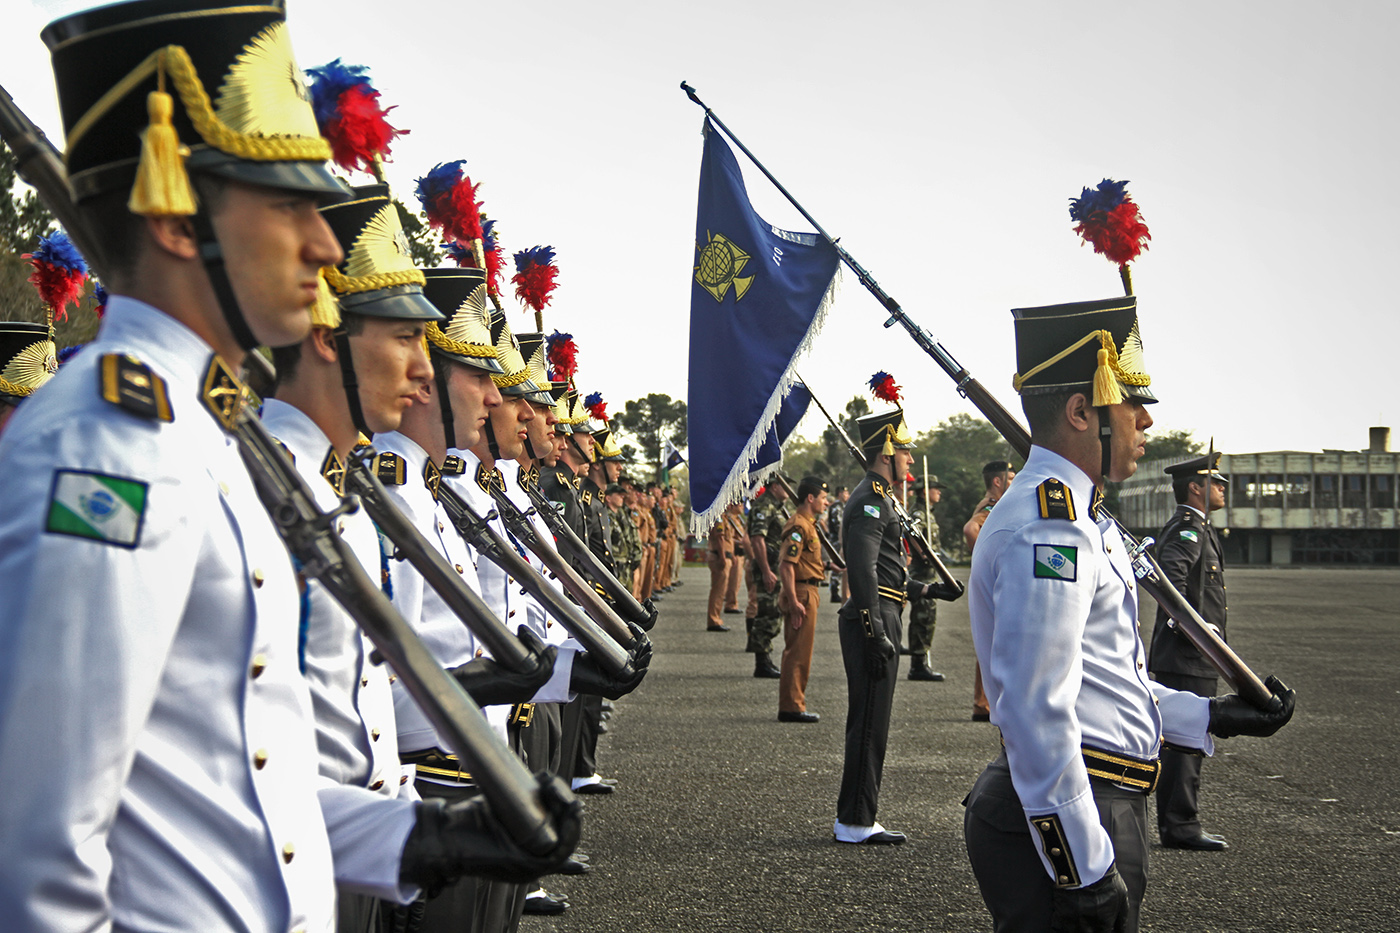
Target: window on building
{"x":1298,"y":491}
{"x":1324,"y":491}
{"x":1382,"y":491}
{"x":1354,"y":491}
{"x":1271,"y":491}
{"x":1243,"y":489}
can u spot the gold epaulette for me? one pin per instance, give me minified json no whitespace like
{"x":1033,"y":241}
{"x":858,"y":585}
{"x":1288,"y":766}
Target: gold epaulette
{"x":1054,"y":500}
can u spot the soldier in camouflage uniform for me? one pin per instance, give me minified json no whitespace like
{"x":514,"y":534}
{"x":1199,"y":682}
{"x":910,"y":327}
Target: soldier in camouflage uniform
{"x":923,"y":613}
{"x":626,"y":546}
{"x":766,"y":520}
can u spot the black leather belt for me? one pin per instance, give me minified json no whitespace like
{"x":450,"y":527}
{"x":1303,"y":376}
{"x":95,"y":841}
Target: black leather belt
{"x":436,"y":763}
{"x":1133,"y":773}
{"x":813,"y":581}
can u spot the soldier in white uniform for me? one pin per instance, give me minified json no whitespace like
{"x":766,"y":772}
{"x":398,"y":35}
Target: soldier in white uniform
{"x":1056,"y":827}
{"x":156,"y":744}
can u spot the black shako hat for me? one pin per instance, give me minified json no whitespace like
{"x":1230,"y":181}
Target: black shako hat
{"x":236,"y":99}
{"x":377,"y":277}
{"x":460,"y":294}
{"x":1083,"y":345}
{"x":884,"y":432}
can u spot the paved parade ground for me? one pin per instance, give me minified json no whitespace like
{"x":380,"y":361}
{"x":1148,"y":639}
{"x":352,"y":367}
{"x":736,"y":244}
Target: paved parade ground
{"x":722,"y":820}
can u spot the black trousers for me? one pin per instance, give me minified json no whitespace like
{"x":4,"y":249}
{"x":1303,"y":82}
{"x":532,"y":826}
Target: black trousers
{"x":1005,"y":858}
{"x":1179,"y":787}
{"x":868,"y":704}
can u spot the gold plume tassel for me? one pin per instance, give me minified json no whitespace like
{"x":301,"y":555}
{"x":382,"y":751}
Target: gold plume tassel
{"x":162,"y":186}
{"x":325,"y":312}
{"x":1106,"y":390}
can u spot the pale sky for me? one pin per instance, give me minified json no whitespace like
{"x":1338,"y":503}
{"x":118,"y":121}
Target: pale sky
{"x":941,"y":142}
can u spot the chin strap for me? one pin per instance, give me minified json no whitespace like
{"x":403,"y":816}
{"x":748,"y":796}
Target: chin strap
{"x":491,"y":440}
{"x":1105,"y":442}
{"x":212,"y":255}
{"x":573,"y":439}
{"x":449,"y":433}
{"x":349,"y":380}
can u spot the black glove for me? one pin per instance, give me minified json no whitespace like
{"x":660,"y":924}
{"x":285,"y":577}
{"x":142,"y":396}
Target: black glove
{"x":1231,"y":715}
{"x":641,"y":647}
{"x":491,"y":684}
{"x":1100,"y":907}
{"x":650,"y":621}
{"x":944,"y":591}
{"x":588,"y":677}
{"x":465,"y":838}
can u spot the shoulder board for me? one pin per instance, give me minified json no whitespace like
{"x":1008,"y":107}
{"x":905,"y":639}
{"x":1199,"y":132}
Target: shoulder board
{"x":390,"y":467}
{"x":129,"y":383}
{"x":453,"y":465}
{"x":1055,"y":500}
{"x":333,"y":471}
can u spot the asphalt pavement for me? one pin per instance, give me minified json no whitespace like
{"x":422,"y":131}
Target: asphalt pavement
{"x":722,"y":818}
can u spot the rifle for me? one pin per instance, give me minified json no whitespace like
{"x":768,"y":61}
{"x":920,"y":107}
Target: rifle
{"x":411,"y":545}
{"x":567,"y":541}
{"x":520,"y":526}
{"x":917,"y":542}
{"x":1145,"y":567}
{"x":610,"y":655}
{"x":827,"y":548}
{"x":309,"y":535}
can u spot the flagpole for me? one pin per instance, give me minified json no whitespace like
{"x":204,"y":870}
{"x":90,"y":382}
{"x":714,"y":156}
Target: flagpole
{"x":967,"y":386}
{"x":1149,"y":573}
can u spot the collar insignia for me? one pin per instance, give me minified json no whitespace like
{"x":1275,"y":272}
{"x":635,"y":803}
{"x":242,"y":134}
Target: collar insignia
{"x":432,"y":477}
{"x":333,"y":471}
{"x":223,"y":394}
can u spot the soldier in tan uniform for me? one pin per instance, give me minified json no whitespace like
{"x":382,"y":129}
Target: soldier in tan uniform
{"x":721,"y":560}
{"x":803,"y":571}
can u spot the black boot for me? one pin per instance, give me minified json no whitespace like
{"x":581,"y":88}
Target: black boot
{"x":919,"y":669}
{"x":763,"y":666}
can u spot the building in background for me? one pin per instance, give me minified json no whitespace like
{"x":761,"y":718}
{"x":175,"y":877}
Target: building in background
{"x":1290,"y":507}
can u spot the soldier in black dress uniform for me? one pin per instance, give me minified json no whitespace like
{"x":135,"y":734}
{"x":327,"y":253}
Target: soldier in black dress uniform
{"x":870,"y":623}
{"x":1190,"y":554}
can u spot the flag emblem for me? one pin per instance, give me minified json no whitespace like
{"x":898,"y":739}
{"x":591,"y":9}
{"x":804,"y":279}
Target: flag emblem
{"x":94,"y":505}
{"x":1188,"y":534}
{"x":719,"y":267}
{"x":1056,"y":562}
{"x":873,"y":511}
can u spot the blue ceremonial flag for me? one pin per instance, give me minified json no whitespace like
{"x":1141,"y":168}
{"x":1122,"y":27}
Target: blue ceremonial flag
{"x":670,"y":456}
{"x":770,"y":455}
{"x":758,"y":297}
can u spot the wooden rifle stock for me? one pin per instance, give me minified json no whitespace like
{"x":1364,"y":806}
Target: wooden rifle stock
{"x":476,"y":532}
{"x":572,"y":546}
{"x":576,"y":586}
{"x":324,"y":556}
{"x":411,"y":545}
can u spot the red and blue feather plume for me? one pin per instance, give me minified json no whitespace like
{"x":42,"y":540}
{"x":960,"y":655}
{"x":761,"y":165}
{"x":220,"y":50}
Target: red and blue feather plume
{"x":1108,"y":220}
{"x":535,"y":272}
{"x":562,"y":355}
{"x":882,"y":385}
{"x":449,"y":199}
{"x":596,"y":406}
{"x":495,"y":261}
{"x":460,"y":254}
{"x":60,"y":273}
{"x":99,"y":300}
{"x":350,"y":117}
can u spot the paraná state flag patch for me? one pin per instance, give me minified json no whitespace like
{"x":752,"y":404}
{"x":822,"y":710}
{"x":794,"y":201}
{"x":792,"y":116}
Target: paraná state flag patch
{"x":104,"y":508}
{"x":873,"y":511}
{"x":1188,"y":534}
{"x":1056,"y":561}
